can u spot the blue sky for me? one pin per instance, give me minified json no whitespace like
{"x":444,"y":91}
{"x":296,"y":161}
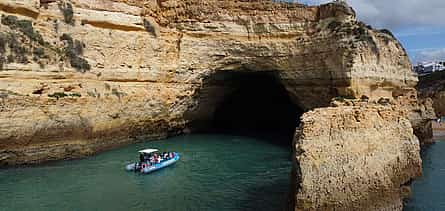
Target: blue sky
{"x":418,"y":24}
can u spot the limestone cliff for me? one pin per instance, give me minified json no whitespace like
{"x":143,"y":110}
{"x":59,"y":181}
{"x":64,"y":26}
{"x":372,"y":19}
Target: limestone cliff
{"x":433,"y":86}
{"x":355,"y":157}
{"x":81,"y":76}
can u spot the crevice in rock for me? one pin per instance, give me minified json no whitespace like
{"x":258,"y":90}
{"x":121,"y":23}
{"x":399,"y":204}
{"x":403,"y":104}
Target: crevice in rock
{"x":25,"y":11}
{"x":108,"y":25}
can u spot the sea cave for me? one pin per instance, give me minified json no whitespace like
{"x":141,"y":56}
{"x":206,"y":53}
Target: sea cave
{"x":245,"y":103}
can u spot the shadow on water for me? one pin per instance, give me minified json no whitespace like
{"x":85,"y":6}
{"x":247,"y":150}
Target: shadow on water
{"x":215,"y":172}
{"x":258,"y":107}
{"x":246,"y":168}
{"x":273,"y":191}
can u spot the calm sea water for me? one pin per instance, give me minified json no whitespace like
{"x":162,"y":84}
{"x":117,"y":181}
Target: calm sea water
{"x":429,"y":190}
{"x":215,"y":172}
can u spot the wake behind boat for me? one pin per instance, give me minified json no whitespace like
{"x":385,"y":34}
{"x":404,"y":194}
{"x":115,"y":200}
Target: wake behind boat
{"x":151,"y":160}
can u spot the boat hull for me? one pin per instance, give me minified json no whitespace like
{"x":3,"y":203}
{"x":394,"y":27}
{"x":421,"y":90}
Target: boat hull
{"x":154,"y":167}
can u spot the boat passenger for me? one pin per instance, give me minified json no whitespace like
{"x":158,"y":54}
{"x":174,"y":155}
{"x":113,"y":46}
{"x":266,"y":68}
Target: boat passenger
{"x":141,"y":158}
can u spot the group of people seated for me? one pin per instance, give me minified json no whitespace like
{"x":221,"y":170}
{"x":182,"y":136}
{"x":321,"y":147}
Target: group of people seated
{"x":154,"y":158}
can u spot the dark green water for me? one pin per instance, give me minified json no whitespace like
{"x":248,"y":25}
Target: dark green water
{"x":429,"y":190}
{"x":215,"y":172}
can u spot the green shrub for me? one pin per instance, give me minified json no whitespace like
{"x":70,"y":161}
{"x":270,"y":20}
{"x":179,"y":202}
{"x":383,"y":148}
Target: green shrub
{"x":384,"y":101}
{"x":118,"y":94}
{"x":78,"y":47}
{"x":75,"y":94}
{"x":361,"y":33}
{"x":72,"y":51}
{"x":39,"y":52}
{"x":334,"y":25}
{"x":386,"y":31}
{"x":149,"y":28}
{"x":80,"y":64}
{"x":18,"y":51}
{"x":24,"y":26}
{"x":67,"y":11}
{"x":58,"y":95}
{"x":66,"y":37}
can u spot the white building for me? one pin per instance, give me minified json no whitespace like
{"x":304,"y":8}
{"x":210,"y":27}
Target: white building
{"x":424,"y":68}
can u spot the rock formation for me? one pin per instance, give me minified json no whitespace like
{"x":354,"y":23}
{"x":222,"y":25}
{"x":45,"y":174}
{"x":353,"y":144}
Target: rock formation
{"x":356,"y":157}
{"x":88,"y":75}
{"x":433,"y":86}
{"x":78,"y":77}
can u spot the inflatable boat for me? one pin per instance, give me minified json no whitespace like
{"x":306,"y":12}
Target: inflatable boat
{"x":151,"y":160}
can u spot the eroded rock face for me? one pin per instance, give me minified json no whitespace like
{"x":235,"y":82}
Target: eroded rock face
{"x":420,"y":112}
{"x":354,"y":158}
{"x":82,"y":76}
{"x":433,"y":86}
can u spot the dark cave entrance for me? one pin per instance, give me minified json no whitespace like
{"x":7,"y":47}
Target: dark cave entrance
{"x":252,"y":104}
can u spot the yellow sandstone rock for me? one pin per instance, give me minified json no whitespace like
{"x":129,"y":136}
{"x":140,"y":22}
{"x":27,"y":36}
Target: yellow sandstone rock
{"x":78,"y":77}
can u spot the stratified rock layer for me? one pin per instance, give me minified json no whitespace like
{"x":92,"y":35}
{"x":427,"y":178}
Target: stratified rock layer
{"x":78,"y":77}
{"x":354,"y":158}
{"x":82,"y":76}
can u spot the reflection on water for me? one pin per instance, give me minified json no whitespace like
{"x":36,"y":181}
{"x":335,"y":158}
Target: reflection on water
{"x":215,"y":173}
{"x":429,"y":190}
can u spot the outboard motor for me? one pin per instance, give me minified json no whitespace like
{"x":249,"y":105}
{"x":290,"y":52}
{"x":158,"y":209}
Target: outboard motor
{"x":136,"y":166}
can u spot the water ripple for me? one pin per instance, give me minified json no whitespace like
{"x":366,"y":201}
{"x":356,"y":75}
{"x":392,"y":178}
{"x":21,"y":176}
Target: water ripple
{"x":214,"y":173}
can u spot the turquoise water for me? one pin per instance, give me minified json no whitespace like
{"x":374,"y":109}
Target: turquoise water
{"x":429,"y":190}
{"x":215,"y":172}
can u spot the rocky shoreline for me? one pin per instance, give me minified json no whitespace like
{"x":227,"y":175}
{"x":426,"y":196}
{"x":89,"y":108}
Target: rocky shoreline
{"x":439,"y":131}
{"x":79,"y":77}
